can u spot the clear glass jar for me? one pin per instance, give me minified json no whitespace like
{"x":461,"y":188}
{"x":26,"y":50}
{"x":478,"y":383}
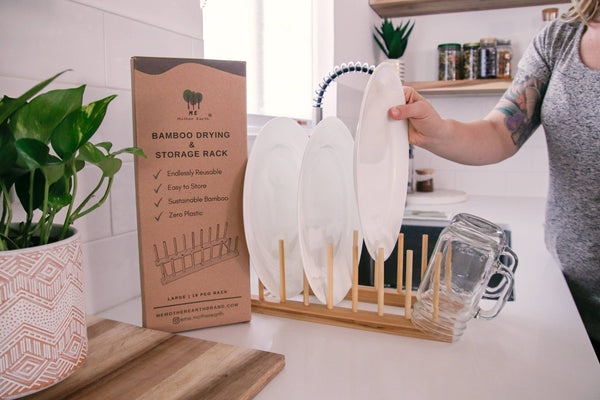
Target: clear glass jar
{"x":488,"y":58}
{"x":504,"y":51}
{"x":466,"y":255}
{"x":470,"y":61}
{"x":449,"y":61}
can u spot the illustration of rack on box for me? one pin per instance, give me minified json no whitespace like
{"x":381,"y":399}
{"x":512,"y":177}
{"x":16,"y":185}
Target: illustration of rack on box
{"x":194,"y":255}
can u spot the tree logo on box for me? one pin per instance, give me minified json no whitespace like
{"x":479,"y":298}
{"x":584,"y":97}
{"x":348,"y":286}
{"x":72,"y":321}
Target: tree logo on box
{"x":193,"y":100}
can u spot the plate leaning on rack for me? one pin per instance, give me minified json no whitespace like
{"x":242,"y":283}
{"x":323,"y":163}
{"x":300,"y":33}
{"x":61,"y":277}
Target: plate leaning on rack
{"x":270,"y":204}
{"x":327,"y":213}
{"x":381,"y":161}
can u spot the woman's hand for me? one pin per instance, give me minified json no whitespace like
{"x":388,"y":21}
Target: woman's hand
{"x":425,"y":126}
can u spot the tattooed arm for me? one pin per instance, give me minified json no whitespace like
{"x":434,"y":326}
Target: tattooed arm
{"x":490,"y":140}
{"x":520,"y":106}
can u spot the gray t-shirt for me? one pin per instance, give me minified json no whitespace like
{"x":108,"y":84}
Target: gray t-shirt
{"x":570,"y":116}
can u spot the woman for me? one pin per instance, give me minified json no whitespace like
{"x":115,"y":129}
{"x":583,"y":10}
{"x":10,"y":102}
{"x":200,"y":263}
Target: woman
{"x":557,"y":85}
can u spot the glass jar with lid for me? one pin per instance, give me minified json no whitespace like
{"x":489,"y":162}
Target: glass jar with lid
{"x":470,"y":63}
{"x":504,"y":51}
{"x":449,"y":61}
{"x":488,"y":58}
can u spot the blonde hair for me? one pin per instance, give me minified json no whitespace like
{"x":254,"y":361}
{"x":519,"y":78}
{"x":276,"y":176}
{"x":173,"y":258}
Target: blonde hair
{"x":581,"y":10}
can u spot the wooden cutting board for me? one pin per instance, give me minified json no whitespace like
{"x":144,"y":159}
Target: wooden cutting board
{"x":129,"y":362}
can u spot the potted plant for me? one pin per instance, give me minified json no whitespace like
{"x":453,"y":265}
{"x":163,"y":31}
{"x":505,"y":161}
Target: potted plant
{"x":44,"y":143}
{"x":393,"y":41}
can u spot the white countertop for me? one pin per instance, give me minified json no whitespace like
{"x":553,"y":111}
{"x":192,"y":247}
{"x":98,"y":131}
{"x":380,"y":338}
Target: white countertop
{"x":536,"y":348}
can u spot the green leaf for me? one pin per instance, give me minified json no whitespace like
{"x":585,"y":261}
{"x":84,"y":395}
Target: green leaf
{"x":79,"y":165}
{"x":8,"y":151}
{"x":105,"y":145}
{"x":78,"y":127}
{"x":381,"y":46}
{"x":53,"y":170}
{"x":9,"y":105}
{"x":22,"y":188}
{"x":136,"y":151}
{"x":88,"y":152}
{"x":59,"y":194}
{"x":41,"y":115}
{"x":32,"y":154}
{"x":110,"y":166}
{"x":393,"y":41}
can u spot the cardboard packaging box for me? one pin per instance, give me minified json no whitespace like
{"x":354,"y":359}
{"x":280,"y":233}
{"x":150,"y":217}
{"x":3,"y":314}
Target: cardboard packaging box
{"x":190,"y":120}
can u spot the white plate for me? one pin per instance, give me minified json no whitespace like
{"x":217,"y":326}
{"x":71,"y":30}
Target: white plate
{"x":271,"y":201}
{"x":381,"y":161}
{"x":327,"y":212}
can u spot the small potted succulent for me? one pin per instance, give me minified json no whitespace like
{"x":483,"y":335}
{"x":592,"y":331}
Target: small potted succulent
{"x":393,"y":41}
{"x":44,"y":143}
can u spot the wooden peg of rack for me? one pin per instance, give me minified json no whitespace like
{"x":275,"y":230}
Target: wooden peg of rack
{"x":329,"y":276}
{"x":408,"y":284}
{"x":305,"y":290}
{"x":281,"y":271}
{"x":380,"y":278}
{"x":436,"y":287}
{"x":448,"y":268}
{"x":261,"y":290}
{"x":355,"y":272}
{"x":400,"y":266}
{"x":425,"y":249}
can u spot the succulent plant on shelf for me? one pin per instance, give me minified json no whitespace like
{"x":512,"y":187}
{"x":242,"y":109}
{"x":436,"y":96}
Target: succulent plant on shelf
{"x":393,"y":40}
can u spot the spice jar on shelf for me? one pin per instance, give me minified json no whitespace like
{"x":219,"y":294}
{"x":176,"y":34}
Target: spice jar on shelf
{"x":470,"y":63}
{"x":504,"y":54}
{"x":488,"y":58}
{"x":424,"y":180}
{"x":449,"y":61}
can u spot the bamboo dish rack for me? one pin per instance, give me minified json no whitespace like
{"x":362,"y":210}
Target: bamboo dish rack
{"x":353,"y":317}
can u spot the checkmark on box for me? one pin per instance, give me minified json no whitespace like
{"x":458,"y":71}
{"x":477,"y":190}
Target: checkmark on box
{"x":158,"y":203}
{"x":159,"y":215}
{"x":156,"y":175}
{"x":157,"y":188}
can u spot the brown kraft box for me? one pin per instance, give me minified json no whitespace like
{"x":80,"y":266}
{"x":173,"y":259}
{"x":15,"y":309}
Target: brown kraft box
{"x":190,"y":119}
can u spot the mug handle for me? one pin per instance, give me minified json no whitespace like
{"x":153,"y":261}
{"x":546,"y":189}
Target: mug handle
{"x":495,"y":291}
{"x":506,"y":288}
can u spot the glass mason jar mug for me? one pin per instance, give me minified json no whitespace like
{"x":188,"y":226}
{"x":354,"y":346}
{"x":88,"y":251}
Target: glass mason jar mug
{"x":466,"y":255}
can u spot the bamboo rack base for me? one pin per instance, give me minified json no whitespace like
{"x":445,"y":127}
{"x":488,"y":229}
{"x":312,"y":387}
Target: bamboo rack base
{"x":341,"y":316}
{"x":376,"y":321}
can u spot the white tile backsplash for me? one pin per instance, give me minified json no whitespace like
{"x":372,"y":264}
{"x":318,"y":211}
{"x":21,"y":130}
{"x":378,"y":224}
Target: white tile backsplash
{"x":41,"y":38}
{"x":96,"y":39}
{"x":180,"y":16}
{"x":123,"y":217}
{"x":111,"y":271}
{"x":142,"y":40}
{"x":96,"y":224}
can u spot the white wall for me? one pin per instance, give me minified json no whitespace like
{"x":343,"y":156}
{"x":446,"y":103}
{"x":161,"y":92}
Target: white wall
{"x":524,"y":174}
{"x":96,"y":38}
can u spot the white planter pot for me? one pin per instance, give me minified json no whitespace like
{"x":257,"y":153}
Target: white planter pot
{"x":398,"y":63}
{"x":43,"y":337}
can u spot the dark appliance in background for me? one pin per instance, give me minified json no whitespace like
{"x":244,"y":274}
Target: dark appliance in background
{"x":413,"y":233}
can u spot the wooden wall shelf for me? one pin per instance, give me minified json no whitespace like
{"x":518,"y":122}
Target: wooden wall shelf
{"x":408,"y":8}
{"x":467,"y":87}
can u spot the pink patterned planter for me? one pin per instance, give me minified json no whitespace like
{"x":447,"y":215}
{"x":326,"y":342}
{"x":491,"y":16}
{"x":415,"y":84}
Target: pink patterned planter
{"x":43,"y":336}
